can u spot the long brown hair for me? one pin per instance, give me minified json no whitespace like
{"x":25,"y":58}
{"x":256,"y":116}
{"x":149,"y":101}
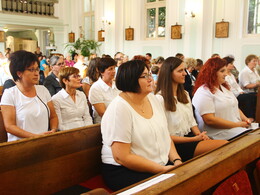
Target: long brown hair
{"x":164,"y":84}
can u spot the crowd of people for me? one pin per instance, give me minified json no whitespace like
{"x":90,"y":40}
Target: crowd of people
{"x":154,"y":113}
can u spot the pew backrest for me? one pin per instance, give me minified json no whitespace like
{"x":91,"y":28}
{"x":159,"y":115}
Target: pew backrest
{"x":257,"y":114}
{"x":50,"y":163}
{"x":3,"y":134}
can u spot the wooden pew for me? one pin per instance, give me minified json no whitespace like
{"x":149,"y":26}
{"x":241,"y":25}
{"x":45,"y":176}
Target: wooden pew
{"x":3,"y":134}
{"x":203,"y":172}
{"x":1,"y":92}
{"x":50,"y":163}
{"x":257,"y":114}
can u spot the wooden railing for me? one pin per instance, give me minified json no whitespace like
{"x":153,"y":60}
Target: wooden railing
{"x":35,"y":7}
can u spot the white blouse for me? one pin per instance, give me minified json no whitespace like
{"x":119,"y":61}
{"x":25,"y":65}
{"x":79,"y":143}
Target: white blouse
{"x":234,"y":86}
{"x":100,"y":92}
{"x":71,"y":114}
{"x":31,"y":112}
{"x":182,"y":120}
{"x":247,"y":76}
{"x":149,"y":138}
{"x":222,"y":104}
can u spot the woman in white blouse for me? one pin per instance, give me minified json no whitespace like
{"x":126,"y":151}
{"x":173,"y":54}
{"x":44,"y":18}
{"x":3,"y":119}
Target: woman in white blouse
{"x":249,"y":79}
{"x":189,"y":140}
{"x":70,"y":104}
{"x":104,"y":90}
{"x":136,"y":141}
{"x":246,"y":101}
{"x":27,"y":107}
{"x":216,"y":107}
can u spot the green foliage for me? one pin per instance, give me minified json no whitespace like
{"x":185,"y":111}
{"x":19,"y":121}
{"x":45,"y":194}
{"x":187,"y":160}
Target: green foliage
{"x":85,"y":47}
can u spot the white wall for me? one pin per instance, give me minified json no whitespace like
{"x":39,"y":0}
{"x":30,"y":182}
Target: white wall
{"x":198,"y":39}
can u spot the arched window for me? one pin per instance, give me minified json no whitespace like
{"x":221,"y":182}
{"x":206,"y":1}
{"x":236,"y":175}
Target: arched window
{"x":155,"y":18}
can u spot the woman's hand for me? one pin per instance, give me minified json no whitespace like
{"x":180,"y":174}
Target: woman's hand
{"x":168,"y":167}
{"x":204,"y":135}
{"x":243,"y":124}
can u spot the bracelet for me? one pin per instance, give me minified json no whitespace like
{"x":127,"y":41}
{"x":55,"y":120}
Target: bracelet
{"x":176,"y":160}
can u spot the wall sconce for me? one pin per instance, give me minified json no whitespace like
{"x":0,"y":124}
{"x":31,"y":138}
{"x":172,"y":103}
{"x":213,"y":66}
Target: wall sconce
{"x":5,"y":29}
{"x":191,"y":14}
{"x":105,"y":20}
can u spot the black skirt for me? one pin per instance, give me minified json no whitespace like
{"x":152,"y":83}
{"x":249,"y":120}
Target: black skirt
{"x":186,"y":150}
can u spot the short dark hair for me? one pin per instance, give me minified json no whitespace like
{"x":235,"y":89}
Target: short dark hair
{"x":20,"y":60}
{"x":104,"y":63}
{"x":229,"y":59}
{"x":199,"y":62}
{"x":128,"y":74}
{"x":149,"y":54}
{"x":178,"y":55}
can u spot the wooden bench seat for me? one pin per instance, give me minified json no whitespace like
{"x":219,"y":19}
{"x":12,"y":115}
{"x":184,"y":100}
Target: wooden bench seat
{"x":50,"y":163}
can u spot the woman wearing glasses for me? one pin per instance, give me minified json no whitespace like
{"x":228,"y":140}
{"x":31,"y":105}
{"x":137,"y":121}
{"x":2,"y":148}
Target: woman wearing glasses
{"x":27,"y":107}
{"x":136,"y":141}
{"x":70,"y":104}
{"x":51,"y":82}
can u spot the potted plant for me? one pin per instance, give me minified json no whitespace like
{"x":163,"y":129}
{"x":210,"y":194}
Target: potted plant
{"x":82,"y":46}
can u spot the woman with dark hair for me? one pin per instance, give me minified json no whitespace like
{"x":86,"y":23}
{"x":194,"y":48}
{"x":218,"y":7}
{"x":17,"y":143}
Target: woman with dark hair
{"x":92,"y":75}
{"x":104,"y":90}
{"x":51,"y":82}
{"x":27,"y":107}
{"x":136,"y":141}
{"x":216,"y":107}
{"x":189,"y":140}
{"x":246,"y":101}
{"x":70,"y":104}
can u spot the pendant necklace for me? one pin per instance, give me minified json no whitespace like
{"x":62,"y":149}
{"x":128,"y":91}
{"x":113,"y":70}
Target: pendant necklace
{"x":142,"y":105}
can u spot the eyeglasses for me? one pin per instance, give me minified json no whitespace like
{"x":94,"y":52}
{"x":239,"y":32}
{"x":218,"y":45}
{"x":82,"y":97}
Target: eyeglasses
{"x":76,"y":76}
{"x":147,"y":76}
{"x":33,"y":69}
{"x":60,"y":64}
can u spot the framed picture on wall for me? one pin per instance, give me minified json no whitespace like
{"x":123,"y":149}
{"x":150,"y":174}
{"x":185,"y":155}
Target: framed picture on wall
{"x":71,"y":37}
{"x":101,"y":36}
{"x":2,"y":36}
{"x":176,"y":31}
{"x":222,"y":29}
{"x":129,"y":34}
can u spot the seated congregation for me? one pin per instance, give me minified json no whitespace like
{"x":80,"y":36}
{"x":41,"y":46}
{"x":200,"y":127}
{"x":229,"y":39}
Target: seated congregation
{"x":147,"y":128}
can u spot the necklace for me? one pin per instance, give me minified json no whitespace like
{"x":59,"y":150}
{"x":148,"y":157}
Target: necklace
{"x":141,"y":107}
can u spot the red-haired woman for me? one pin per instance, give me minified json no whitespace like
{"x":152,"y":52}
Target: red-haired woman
{"x":216,"y":107}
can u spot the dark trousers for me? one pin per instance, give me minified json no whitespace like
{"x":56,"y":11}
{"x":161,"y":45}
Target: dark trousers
{"x":247,"y":104}
{"x":118,"y":177}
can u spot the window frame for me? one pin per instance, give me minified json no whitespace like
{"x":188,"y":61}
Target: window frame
{"x":246,"y":15}
{"x":157,"y":4}
{"x":90,"y":14}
